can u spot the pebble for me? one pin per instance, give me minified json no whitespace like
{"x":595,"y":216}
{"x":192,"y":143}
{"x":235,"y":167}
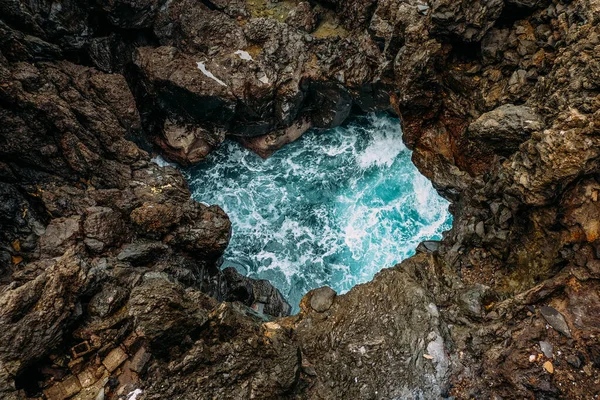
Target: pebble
{"x":549,"y":367}
{"x":546,"y":348}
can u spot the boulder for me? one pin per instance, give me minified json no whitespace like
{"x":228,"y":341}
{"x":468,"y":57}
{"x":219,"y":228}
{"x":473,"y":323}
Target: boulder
{"x":61,"y":233}
{"x":505,"y":128}
{"x":162,"y":312}
{"x":322,"y":299}
{"x":258,"y":294}
{"x":103,"y":227}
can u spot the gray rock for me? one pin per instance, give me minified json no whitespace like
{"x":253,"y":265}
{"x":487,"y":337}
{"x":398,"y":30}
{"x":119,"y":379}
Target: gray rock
{"x":428,"y":246}
{"x":302,"y":17}
{"x":505,"y":128}
{"x":141,"y":253}
{"x":259,"y":294}
{"x":470,"y":301}
{"x":322,"y":299}
{"x":546,"y":348}
{"x":556,"y":320}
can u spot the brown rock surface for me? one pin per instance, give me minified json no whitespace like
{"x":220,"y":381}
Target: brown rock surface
{"x":101,"y":249}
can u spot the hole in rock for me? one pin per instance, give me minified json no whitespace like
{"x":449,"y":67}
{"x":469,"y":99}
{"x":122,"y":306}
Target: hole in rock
{"x":332,"y":208}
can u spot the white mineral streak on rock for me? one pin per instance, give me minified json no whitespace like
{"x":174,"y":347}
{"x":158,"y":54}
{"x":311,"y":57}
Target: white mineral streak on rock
{"x":264,"y":79}
{"x":202,"y":68}
{"x":133,"y":395}
{"x":244,"y":55}
{"x":437,"y":349}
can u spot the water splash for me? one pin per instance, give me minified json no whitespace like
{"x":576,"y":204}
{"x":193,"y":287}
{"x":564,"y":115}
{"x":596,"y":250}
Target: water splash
{"x":332,"y":208}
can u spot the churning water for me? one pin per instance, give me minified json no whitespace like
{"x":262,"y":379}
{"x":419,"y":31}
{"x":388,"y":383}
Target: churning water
{"x":332,"y":208}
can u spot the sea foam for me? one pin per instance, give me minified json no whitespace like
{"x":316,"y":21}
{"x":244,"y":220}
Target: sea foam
{"x":332,"y":208}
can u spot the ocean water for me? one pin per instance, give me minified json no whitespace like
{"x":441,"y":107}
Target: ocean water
{"x":332,"y":208}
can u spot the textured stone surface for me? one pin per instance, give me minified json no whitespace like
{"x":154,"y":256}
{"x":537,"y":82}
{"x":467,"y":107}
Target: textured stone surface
{"x":101,"y":248}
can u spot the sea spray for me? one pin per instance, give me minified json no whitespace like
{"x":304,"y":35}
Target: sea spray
{"x":332,"y":208}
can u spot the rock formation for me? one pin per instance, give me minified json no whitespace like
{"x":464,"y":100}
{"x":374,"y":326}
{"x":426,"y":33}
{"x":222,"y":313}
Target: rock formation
{"x":110,"y":284}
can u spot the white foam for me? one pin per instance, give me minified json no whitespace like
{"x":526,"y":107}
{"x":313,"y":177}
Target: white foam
{"x":384,"y":148}
{"x":202,"y":68}
{"x":161,"y":162}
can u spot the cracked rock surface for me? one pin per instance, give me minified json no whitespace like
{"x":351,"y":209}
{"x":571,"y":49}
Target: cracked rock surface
{"x":110,"y":280}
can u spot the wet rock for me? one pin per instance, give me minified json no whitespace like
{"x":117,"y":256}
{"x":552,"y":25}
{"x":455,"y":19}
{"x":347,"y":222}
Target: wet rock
{"x":428,"y":246}
{"x":65,"y":149}
{"x":556,"y":320}
{"x":206,"y":233}
{"x":266,"y":145}
{"x":322,"y":299}
{"x":188,"y":144}
{"x":332,"y":104}
{"x":258,"y":294}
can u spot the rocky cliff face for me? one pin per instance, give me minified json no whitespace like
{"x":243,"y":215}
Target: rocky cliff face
{"x":109,"y":274}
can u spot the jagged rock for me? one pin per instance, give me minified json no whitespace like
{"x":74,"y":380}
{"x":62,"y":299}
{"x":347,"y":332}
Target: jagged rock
{"x":302,"y":17}
{"x":475,"y":19}
{"x":428,"y":246}
{"x":386,"y":318}
{"x":54,"y":296}
{"x":546,"y":348}
{"x":60,"y":234}
{"x":525,"y":222}
{"x":107,"y":301}
{"x":556,"y":320}
{"x":132,"y":14}
{"x":258,"y":294}
{"x":104,"y":226}
{"x":188,"y":144}
{"x":162,"y":312}
{"x":332,"y":104}
{"x":142,"y":253}
{"x":505,"y":128}
{"x":113,"y":359}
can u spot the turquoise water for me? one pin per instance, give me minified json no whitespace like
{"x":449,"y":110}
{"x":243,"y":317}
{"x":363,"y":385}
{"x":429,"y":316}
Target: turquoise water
{"x":332,"y":208}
